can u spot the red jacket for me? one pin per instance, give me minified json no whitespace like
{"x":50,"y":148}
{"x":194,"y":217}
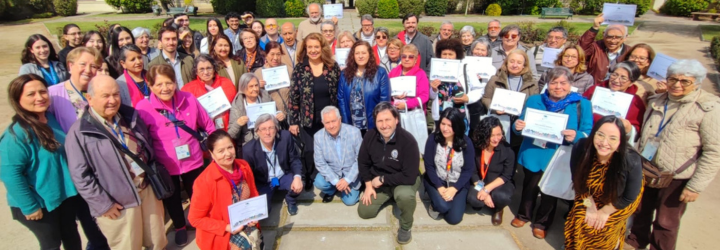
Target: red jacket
{"x":197,"y":89}
{"x":401,"y":37}
{"x":596,"y":57}
{"x":635,"y":112}
{"x":209,"y":205}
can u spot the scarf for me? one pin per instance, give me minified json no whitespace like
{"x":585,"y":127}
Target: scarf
{"x":552,"y":106}
{"x":236,"y":176}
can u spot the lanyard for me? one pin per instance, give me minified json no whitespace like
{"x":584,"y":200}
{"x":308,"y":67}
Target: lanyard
{"x":144,"y":90}
{"x":661,"y":127}
{"x":172,"y":113}
{"x":449,"y":164}
{"x":119,"y":134}
{"x":50,"y":74}
{"x":78,"y":91}
{"x":235,"y":186}
{"x":484,"y":167}
{"x":273,"y":163}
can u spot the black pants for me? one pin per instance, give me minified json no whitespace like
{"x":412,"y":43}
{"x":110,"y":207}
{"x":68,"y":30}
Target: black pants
{"x":501,"y":197}
{"x":308,"y":154}
{"x":546,"y":212}
{"x":55,"y":228}
{"x":96,"y":239}
{"x":173,"y":205}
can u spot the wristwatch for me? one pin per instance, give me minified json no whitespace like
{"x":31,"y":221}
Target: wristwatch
{"x":382,"y":179}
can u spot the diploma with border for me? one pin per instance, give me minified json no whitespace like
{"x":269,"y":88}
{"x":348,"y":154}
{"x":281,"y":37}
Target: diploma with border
{"x":445,"y":70}
{"x":276,"y":78}
{"x":245,"y":211}
{"x":403,"y":84}
{"x":341,"y":56}
{"x":254,"y":111}
{"x":332,"y":10}
{"x":214,"y":102}
{"x":544,"y":125}
{"x":619,"y":14}
{"x":658,"y":67}
{"x":607,"y":102}
{"x":549,"y":57}
{"x":508,"y":101}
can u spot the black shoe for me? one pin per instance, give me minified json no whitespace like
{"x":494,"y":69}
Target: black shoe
{"x":327,"y":198}
{"x":404,"y":236}
{"x":309,"y":186}
{"x":181,"y":237}
{"x":292,"y":209}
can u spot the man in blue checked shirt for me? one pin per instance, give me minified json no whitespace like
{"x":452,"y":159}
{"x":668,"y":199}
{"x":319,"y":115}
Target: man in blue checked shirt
{"x":336,"y":150}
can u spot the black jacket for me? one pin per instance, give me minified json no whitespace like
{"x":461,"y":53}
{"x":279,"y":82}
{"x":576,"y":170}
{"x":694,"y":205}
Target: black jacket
{"x":398,"y":160}
{"x":431,"y":169}
{"x":630,"y":178}
{"x":502,"y":165}
{"x":288,"y":157}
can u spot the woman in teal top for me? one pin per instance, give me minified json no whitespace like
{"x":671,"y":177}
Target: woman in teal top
{"x":33,"y":167}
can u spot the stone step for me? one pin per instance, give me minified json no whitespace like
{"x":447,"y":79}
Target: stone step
{"x":334,"y":215}
{"x":497,"y":239}
{"x":333,"y":240}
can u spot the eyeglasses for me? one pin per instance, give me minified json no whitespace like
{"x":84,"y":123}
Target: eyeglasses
{"x":493,"y":28}
{"x":393,"y":49}
{"x":271,"y":26}
{"x":555,"y":38}
{"x":267,"y":129}
{"x":411,"y":57}
{"x":513,"y":36}
{"x":685,"y":83}
{"x":570,"y":57}
{"x":599,"y":136}
{"x":367,"y":25}
{"x":638,"y":58}
{"x":203,"y":70}
{"x":380,"y":37}
{"x":92,"y":66}
{"x":614,"y":76}
{"x":614,"y":37}
{"x":328,"y":31}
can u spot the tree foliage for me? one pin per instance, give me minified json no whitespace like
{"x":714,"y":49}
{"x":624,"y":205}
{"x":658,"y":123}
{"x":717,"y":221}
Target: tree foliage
{"x":436,"y":7}
{"x":388,"y":9}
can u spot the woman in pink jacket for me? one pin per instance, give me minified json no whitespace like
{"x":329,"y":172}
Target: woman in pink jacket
{"x":169,"y":113}
{"x":402,"y":101}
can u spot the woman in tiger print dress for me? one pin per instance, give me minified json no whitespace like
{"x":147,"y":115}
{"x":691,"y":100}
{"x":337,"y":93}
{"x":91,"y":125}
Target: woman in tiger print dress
{"x":608,"y":183}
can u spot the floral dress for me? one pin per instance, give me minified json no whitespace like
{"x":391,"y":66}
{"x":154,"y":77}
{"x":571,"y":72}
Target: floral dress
{"x":301,"y":101}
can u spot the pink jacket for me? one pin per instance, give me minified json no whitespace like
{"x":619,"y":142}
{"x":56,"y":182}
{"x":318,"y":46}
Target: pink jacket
{"x":163,"y":133}
{"x":422,"y":85}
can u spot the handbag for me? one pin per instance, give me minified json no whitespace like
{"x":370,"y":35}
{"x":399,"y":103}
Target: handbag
{"x":557,"y":179}
{"x":200,"y":135}
{"x":656,"y":178}
{"x":158,"y":177}
{"x":414,"y":121}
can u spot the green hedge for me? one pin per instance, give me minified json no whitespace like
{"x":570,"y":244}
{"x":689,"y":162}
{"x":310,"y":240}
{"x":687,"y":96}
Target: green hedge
{"x":493,"y":10}
{"x":436,"y":7}
{"x":294,"y":8}
{"x":366,"y":7}
{"x":269,"y":8}
{"x":416,"y":7}
{"x":683,"y":7}
{"x":131,"y":6}
{"x":388,"y":9}
{"x":66,"y":7}
{"x":239,"y":6}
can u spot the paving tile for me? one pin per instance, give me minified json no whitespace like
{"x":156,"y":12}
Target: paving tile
{"x":496,"y":239}
{"x":422,"y":219}
{"x":274,"y":218}
{"x":320,"y":240}
{"x":269,"y":236}
{"x":334,"y":214}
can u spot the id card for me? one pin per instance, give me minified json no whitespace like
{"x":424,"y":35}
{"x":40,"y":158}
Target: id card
{"x":540,"y":143}
{"x":447,"y":105}
{"x":182,"y":151}
{"x":650,"y":149}
{"x":219,"y":124}
{"x":480,"y":185}
{"x":136,"y":169}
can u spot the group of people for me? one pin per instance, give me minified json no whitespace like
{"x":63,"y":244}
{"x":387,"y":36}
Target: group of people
{"x":111,"y":134}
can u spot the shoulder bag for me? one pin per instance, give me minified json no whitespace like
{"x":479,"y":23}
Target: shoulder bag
{"x":657,"y":178}
{"x":200,"y":135}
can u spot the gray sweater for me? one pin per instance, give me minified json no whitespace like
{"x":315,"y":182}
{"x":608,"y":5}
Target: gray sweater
{"x":31,"y":68}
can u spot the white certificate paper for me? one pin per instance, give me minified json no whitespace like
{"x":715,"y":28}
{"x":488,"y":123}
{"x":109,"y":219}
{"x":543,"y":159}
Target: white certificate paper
{"x":549,"y":57}
{"x":214,"y":102}
{"x":403,"y":84}
{"x":508,"y":101}
{"x":608,"y":102}
{"x":254,"y":111}
{"x":341,"y":55}
{"x":276,"y":78}
{"x":243,"y":212}
{"x":333,"y":10}
{"x":619,"y":14}
{"x":543,"y":125}
{"x":445,"y":70}
{"x":659,"y":66}
{"x":477,"y":61}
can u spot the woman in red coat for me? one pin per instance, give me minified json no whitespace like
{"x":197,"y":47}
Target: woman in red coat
{"x":224,"y":181}
{"x":206,"y":80}
{"x":622,"y":78}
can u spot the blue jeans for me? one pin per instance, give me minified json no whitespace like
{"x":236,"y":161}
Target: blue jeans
{"x":285,"y":183}
{"x":329,"y":189}
{"x":453,"y":210}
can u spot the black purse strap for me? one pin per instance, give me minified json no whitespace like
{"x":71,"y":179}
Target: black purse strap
{"x":119,"y":146}
{"x":181,"y":125}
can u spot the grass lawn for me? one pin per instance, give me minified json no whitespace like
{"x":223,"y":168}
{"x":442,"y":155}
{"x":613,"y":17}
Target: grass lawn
{"x":709,"y":31}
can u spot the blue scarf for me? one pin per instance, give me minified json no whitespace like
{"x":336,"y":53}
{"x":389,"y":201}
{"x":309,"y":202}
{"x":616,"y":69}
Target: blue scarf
{"x":552,"y":106}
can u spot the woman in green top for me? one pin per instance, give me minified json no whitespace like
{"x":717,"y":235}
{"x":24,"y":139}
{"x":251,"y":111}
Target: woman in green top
{"x":33,"y":166}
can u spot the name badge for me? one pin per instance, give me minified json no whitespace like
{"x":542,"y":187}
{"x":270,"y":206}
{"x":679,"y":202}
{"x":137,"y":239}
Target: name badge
{"x":447,"y":105}
{"x":136,"y":169}
{"x":219,"y":124}
{"x":650,"y":149}
{"x":182,"y":151}
{"x":480,"y":185}
{"x":540,"y":143}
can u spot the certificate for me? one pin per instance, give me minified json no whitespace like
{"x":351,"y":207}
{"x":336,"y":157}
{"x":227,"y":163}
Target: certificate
{"x":607,"y":102}
{"x":549,"y":57}
{"x":254,"y":111}
{"x":477,"y":61}
{"x":403,"y":84}
{"x":214,"y":102}
{"x":341,"y":55}
{"x":619,"y":14}
{"x":276,"y":78}
{"x":333,"y":10}
{"x":545,"y":126}
{"x":445,"y":70}
{"x":658,"y":67}
{"x":243,"y":212}
{"x":508,"y":101}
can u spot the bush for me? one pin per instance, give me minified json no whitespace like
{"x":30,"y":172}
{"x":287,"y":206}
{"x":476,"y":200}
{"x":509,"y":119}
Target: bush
{"x":642,"y":5}
{"x":683,"y":7}
{"x":411,"y":6}
{"x":428,"y":30}
{"x":452,"y":6}
{"x":294,"y":8}
{"x":529,"y":33}
{"x":131,"y":6}
{"x":114,"y":3}
{"x":225,"y":6}
{"x":573,"y":34}
{"x":66,"y":7}
{"x":388,"y":9}
{"x":269,"y":8}
{"x":493,"y":10}
{"x":366,"y":7}
{"x":436,"y":7}
{"x":715,"y":46}
{"x":45,"y":15}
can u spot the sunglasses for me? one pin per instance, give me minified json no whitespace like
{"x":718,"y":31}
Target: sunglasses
{"x":411,"y":57}
{"x":380,"y":37}
{"x":508,"y":36}
{"x":271,"y":26}
{"x":493,"y":28}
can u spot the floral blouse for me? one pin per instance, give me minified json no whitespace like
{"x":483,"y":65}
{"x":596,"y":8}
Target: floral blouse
{"x":301,"y":102}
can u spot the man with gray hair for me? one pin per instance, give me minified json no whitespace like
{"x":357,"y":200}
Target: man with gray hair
{"x":493,"y":34}
{"x":336,"y":149}
{"x":367,"y":32}
{"x":314,"y":21}
{"x":603,"y":54}
{"x":289,"y":44}
{"x":555,"y":39}
{"x":108,"y":153}
{"x":446,"y":31}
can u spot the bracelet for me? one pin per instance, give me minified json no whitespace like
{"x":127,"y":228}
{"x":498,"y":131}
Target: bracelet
{"x":485,"y":190}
